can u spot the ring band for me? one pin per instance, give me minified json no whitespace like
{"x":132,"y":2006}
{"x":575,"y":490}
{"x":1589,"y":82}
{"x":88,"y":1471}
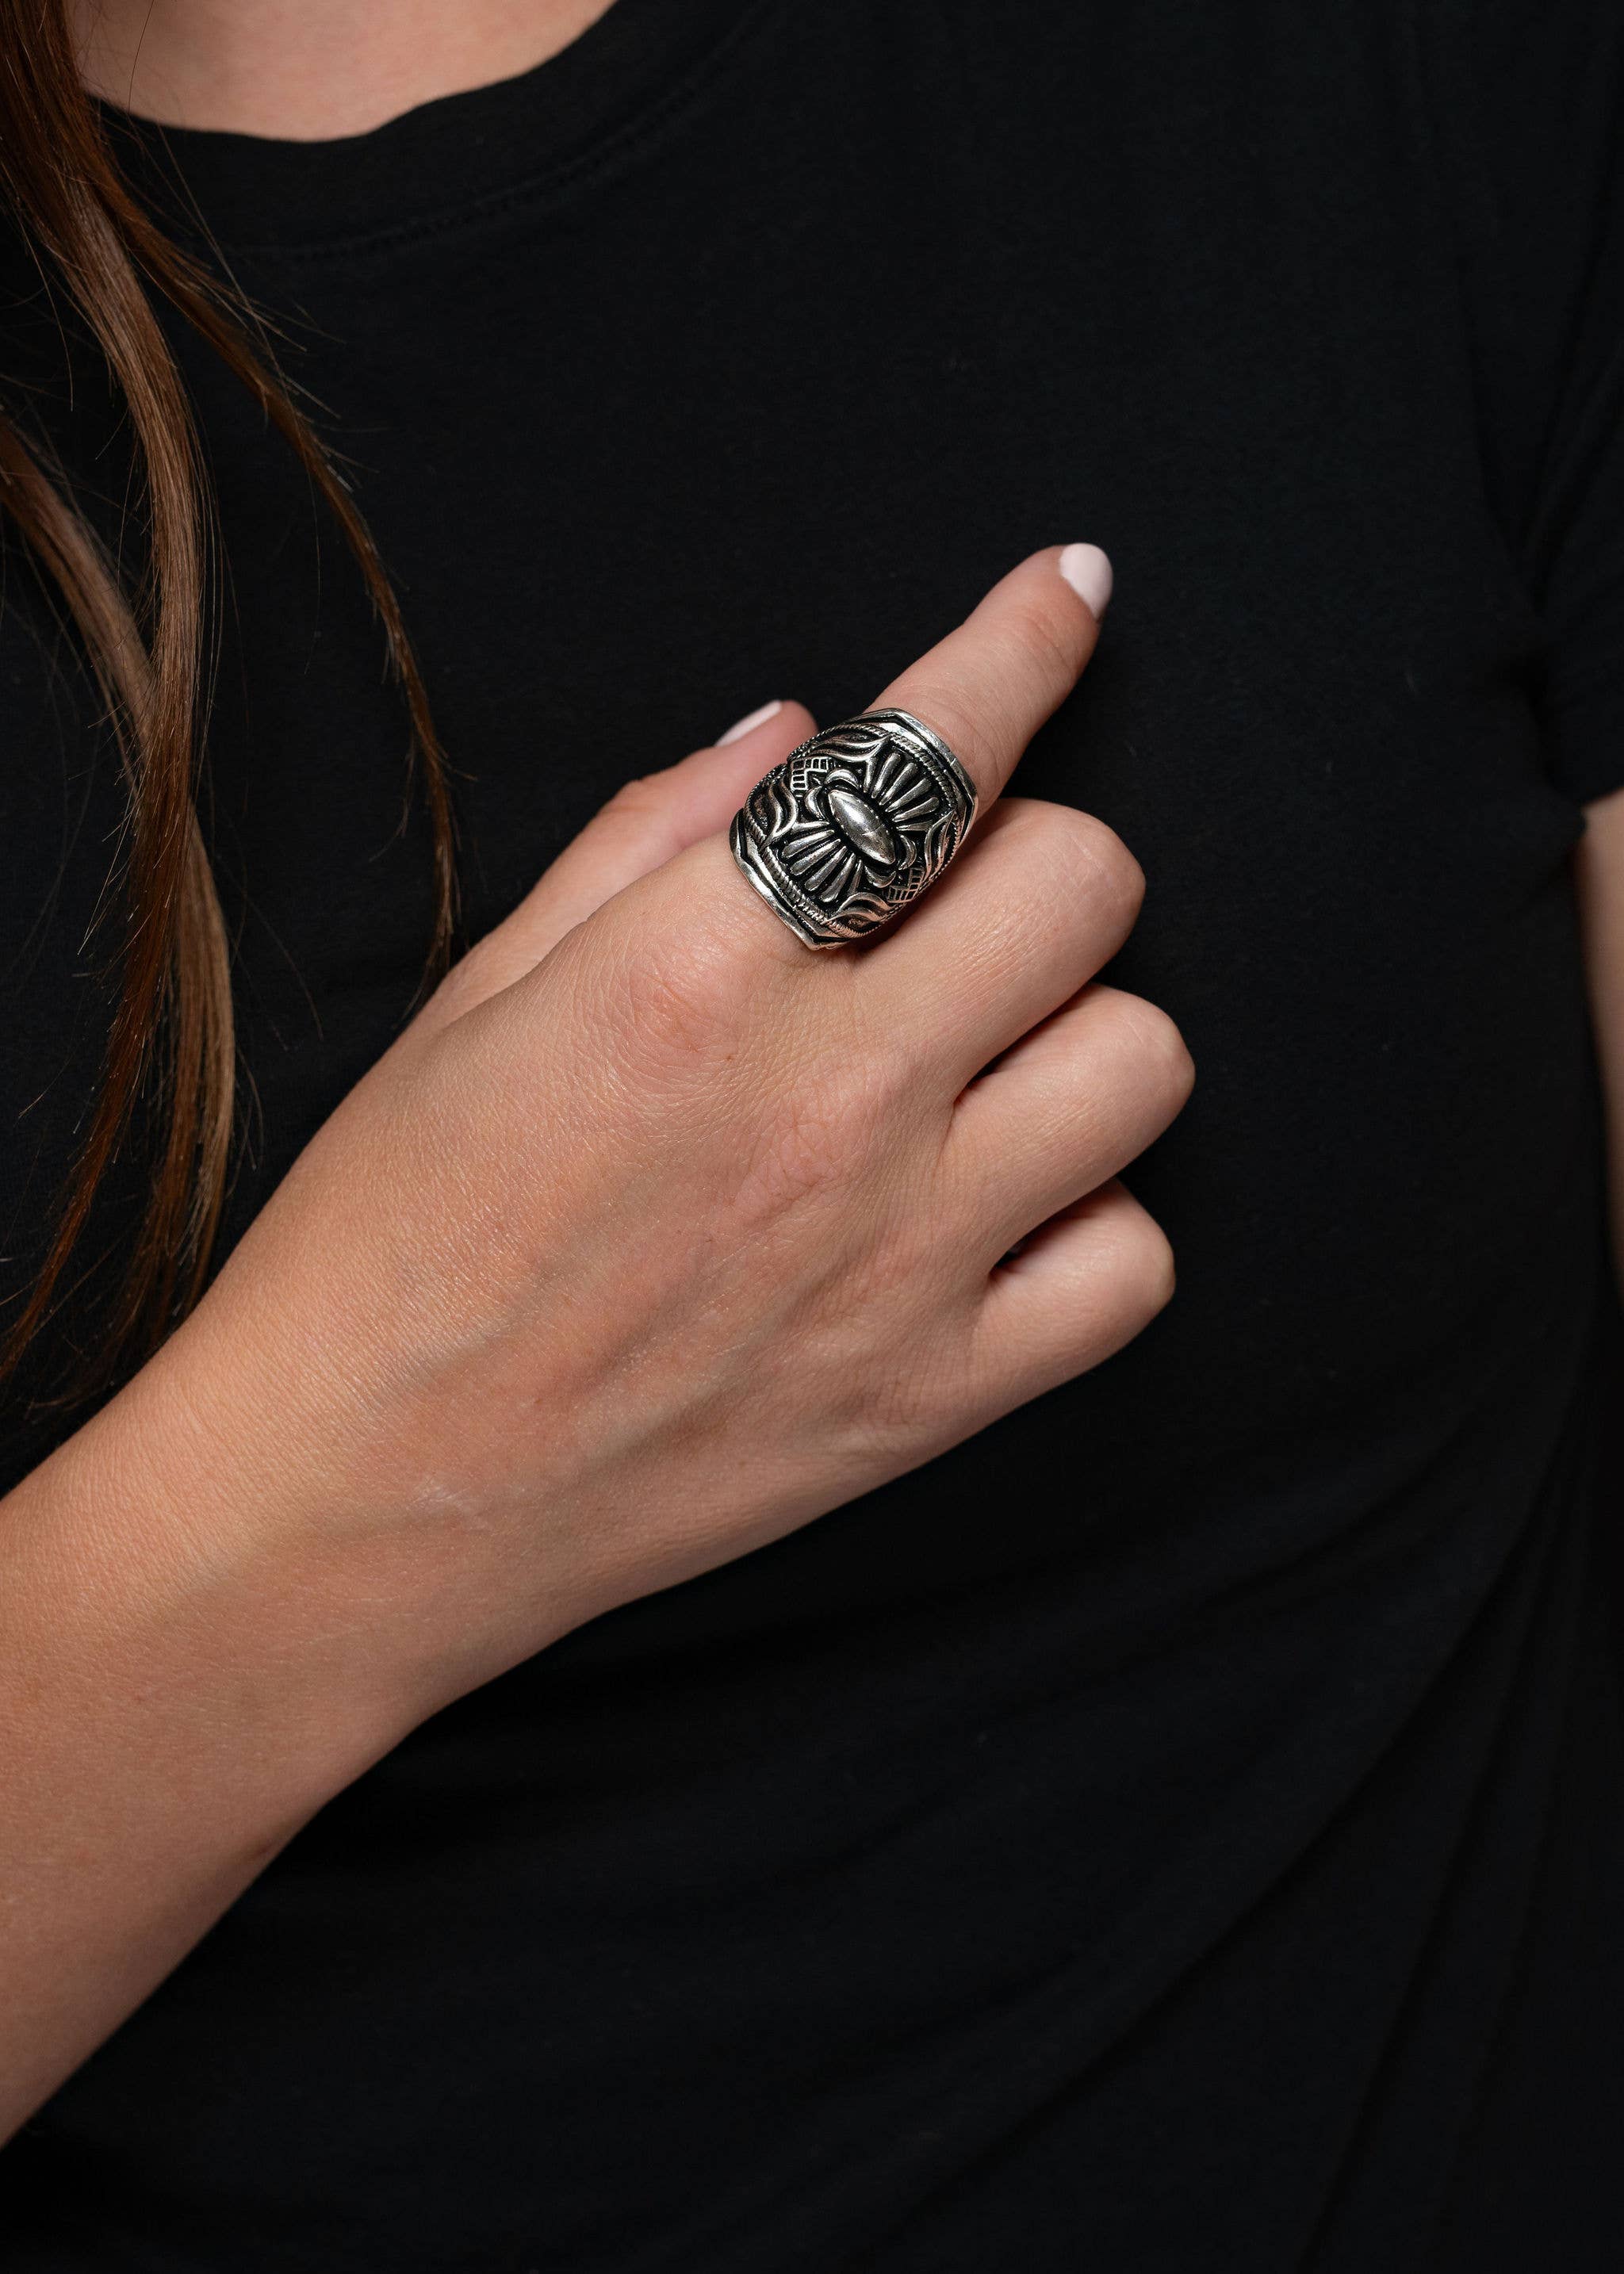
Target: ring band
{"x":852,"y":827}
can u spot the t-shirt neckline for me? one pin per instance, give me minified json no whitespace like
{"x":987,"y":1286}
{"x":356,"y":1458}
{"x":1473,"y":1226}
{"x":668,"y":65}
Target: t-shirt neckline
{"x":451,"y":154}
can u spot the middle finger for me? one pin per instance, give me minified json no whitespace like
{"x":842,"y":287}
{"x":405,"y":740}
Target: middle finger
{"x":1043,"y":897}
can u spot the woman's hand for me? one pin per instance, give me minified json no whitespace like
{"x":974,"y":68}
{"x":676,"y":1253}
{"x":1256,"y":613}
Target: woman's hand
{"x":658,"y":1234}
{"x":655,"y":1235}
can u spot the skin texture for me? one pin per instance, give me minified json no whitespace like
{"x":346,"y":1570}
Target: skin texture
{"x":310,"y":70}
{"x":654,"y":1236}
{"x":642,"y":1174}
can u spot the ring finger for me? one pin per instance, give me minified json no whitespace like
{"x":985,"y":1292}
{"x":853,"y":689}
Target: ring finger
{"x":1062,"y":1112}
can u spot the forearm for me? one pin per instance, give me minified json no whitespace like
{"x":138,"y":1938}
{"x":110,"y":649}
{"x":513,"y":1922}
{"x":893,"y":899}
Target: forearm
{"x":492,"y":1360}
{"x":175,"y":1702}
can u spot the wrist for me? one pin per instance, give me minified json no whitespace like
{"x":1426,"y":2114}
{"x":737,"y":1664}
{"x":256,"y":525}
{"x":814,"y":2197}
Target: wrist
{"x":179,"y":1697}
{"x":163,"y":1563}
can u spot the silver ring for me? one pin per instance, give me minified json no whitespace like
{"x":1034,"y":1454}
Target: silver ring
{"x":854,"y":825}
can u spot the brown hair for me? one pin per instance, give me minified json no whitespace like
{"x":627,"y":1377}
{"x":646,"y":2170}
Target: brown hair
{"x":170,"y":1044}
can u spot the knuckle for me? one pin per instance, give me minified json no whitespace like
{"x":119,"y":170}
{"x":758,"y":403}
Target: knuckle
{"x":813,"y":1132}
{"x":668,"y":996}
{"x":644,"y":794}
{"x":816,"y":1131}
{"x":1084,"y":855}
{"x":1157,"y":1043}
{"x":642,"y":815}
{"x":1115,"y":873}
{"x":1145,"y":1260}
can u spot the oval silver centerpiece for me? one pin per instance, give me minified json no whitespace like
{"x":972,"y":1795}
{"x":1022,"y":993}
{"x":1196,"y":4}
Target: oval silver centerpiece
{"x":864,"y":826}
{"x":853,"y":825}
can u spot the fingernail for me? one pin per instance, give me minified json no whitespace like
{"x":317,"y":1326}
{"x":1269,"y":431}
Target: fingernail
{"x":1088,"y":572}
{"x":755,"y":719}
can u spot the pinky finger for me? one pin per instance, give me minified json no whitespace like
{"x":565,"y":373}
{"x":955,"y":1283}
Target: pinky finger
{"x":1072,"y":1293}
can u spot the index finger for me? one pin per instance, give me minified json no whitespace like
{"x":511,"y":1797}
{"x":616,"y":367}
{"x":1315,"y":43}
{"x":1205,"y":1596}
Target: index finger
{"x":988,"y":685}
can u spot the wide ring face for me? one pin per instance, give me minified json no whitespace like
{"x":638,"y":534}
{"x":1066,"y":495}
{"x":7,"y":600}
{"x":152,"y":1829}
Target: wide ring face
{"x":853,"y":825}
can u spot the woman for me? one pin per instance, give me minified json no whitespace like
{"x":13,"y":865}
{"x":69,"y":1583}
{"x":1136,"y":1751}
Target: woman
{"x":464,"y":1813}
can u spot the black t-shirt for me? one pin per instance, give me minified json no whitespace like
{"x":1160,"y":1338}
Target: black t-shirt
{"x":1180,"y":1829}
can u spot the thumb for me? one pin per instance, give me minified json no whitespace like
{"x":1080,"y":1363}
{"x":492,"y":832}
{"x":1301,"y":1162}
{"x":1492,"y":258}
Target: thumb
{"x":645,"y":823}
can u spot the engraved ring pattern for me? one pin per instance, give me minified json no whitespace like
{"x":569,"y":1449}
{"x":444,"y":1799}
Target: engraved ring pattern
{"x":851,"y":827}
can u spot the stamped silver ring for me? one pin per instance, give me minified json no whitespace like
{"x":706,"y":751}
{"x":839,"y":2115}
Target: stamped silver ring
{"x":851,"y":828}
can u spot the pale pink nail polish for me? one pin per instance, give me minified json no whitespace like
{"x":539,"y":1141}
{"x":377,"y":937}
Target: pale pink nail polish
{"x":1088,"y":572}
{"x":745,"y":725}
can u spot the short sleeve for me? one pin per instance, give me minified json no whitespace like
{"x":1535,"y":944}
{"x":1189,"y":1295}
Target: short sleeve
{"x":1525,"y":101}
